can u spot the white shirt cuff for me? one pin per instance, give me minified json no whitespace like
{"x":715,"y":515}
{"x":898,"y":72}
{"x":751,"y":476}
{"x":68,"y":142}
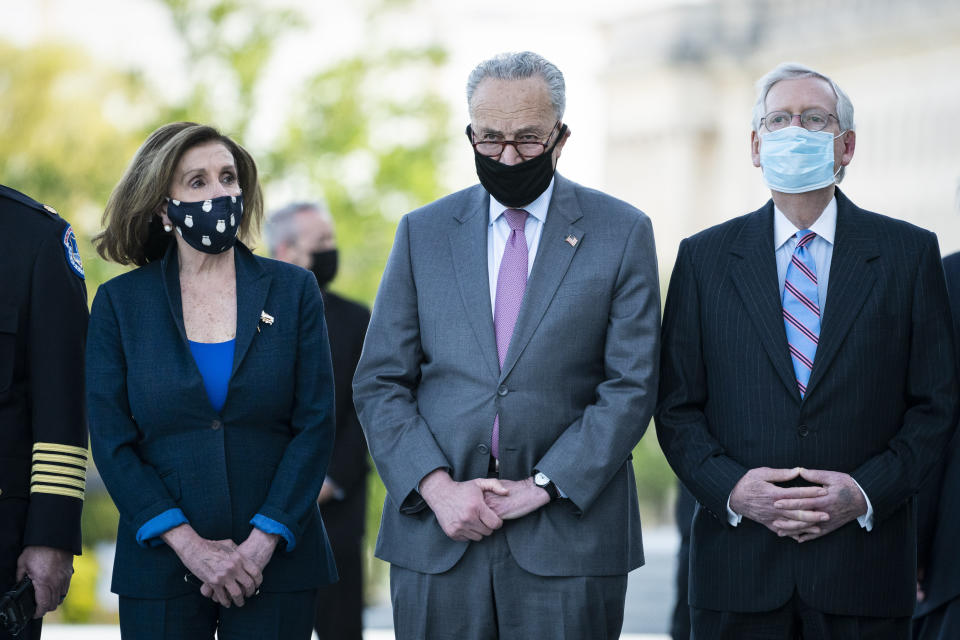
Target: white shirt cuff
{"x":866,"y":520}
{"x":732,"y":517}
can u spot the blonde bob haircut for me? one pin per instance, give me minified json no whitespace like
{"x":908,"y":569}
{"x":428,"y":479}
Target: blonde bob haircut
{"x":132,"y":230}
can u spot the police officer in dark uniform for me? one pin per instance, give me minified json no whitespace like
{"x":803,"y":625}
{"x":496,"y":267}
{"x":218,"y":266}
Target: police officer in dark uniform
{"x":43,"y":433}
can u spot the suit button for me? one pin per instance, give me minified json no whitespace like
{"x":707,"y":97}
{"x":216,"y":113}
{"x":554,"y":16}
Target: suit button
{"x":803,"y":430}
{"x":482,"y":448}
{"x":215,"y":425}
{"x":502,"y":390}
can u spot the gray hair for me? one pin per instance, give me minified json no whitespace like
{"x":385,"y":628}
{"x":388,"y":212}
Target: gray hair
{"x":791,"y":71}
{"x":516,"y":66}
{"x":281,"y":227}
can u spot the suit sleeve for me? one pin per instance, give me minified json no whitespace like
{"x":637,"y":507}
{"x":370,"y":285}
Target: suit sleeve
{"x":384,"y":388}
{"x":929,"y":498}
{"x":57,"y":333}
{"x":349,"y":463}
{"x":134,"y":485}
{"x":612,"y":425}
{"x":898,"y":472}
{"x":695,"y":455}
{"x":296,"y":483}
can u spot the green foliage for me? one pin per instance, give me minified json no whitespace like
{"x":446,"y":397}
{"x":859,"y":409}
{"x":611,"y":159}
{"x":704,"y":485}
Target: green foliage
{"x":655,"y":479}
{"x":80,"y":604}
{"x":228,"y":44}
{"x":375,"y":571}
{"x":100,"y":517}
{"x":373,"y":154}
{"x":68,"y":126}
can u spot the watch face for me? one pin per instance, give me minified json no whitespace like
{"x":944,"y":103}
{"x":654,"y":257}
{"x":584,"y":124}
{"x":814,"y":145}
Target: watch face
{"x":540,"y":480}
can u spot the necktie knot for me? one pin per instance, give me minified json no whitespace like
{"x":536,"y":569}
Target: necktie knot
{"x":805,"y":237}
{"x":516,"y":218}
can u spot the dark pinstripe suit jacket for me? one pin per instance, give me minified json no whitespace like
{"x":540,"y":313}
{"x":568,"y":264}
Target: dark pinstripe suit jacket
{"x":880,"y":405}
{"x":939,"y":504}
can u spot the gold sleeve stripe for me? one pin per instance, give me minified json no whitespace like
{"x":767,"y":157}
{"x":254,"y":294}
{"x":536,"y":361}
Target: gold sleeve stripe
{"x":59,"y":491}
{"x":52,"y":457}
{"x":60,"y":469}
{"x":53,"y":447}
{"x":43,"y":477}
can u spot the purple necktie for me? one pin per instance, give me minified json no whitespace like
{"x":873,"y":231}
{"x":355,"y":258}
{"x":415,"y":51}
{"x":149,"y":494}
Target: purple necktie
{"x":511,"y":283}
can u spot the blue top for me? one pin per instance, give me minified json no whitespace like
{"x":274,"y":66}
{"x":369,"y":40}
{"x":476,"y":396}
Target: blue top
{"x":215,"y":361}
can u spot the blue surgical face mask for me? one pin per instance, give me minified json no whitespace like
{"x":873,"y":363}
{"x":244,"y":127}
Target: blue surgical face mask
{"x":209,"y":226}
{"x":795,"y":160}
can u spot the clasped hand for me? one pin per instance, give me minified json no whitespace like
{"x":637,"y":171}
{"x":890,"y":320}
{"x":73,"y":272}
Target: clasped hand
{"x":476,"y":508}
{"x":230,"y":573}
{"x":802,"y":513}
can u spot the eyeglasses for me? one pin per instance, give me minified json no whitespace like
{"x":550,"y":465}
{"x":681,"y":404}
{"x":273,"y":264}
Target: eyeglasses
{"x":811,"y":119}
{"x":524,"y":148}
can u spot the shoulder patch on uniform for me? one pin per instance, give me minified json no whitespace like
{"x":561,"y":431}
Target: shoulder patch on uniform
{"x":72,"y":251}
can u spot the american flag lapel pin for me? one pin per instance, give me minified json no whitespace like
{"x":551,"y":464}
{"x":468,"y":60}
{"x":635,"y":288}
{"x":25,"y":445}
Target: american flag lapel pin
{"x":572,"y":240}
{"x":265,"y":318}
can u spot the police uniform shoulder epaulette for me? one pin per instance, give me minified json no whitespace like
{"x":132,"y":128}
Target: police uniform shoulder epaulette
{"x":68,"y":238}
{"x":27,"y":201}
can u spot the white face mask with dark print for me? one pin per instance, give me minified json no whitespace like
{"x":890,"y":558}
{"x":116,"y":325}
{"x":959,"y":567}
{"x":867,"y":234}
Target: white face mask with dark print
{"x":209,"y":226}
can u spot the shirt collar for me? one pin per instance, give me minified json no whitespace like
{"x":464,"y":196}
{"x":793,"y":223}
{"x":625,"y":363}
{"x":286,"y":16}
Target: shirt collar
{"x":825,"y":226}
{"x":537,"y":208}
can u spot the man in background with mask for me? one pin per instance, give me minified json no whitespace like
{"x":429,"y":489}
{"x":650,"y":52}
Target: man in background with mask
{"x":807,"y":388}
{"x":302,"y":233}
{"x":509,"y":370}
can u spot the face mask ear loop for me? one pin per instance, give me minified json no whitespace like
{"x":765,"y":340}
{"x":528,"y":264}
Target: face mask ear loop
{"x":837,"y":172}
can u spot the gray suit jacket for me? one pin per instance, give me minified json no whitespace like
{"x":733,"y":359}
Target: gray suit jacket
{"x":576,"y":392}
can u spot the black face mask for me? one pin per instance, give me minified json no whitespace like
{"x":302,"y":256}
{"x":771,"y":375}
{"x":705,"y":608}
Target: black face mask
{"x":324,"y":266}
{"x":516,"y":185}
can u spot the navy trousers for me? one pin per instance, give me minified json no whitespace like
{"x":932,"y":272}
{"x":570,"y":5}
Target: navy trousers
{"x":267,"y":616}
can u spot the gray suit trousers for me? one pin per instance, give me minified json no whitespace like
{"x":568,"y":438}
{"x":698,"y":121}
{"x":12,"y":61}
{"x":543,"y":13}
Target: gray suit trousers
{"x":487,"y":596}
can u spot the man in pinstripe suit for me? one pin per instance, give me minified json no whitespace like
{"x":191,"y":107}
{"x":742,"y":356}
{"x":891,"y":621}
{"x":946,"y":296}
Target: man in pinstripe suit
{"x":807,"y":388}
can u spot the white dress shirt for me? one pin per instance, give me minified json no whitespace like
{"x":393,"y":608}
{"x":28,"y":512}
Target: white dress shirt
{"x":821,"y":250}
{"x":498,"y":232}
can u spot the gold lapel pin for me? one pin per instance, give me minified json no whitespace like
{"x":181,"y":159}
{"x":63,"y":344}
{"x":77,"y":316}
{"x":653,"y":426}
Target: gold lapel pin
{"x":265,"y":318}
{"x":571,"y":240}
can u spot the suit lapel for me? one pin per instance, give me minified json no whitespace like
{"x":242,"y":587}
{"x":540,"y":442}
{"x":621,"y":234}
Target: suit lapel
{"x":253,"y":283}
{"x":468,"y":243}
{"x":755,"y":277}
{"x":851,"y":281}
{"x":170,"y":270}
{"x":550,"y":265}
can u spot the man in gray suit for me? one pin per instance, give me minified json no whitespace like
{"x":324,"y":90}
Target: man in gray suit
{"x":508,"y":371}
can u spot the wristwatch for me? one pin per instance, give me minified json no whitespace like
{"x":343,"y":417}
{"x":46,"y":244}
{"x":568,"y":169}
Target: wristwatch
{"x":546,"y":484}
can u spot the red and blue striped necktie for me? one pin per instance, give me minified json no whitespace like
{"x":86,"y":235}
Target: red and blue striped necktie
{"x":801,"y":309}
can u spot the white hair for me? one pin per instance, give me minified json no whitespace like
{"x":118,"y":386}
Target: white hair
{"x":281,"y":230}
{"x":793,"y":70}
{"x":517,"y":66}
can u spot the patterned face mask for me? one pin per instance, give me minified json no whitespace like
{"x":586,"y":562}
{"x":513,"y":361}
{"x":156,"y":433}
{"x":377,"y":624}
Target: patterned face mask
{"x":209,"y":226}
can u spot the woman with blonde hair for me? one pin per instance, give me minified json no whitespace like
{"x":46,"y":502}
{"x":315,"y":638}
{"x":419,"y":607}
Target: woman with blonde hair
{"x":210,"y":400}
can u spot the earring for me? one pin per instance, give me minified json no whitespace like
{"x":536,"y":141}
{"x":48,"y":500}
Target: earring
{"x":168,"y":228}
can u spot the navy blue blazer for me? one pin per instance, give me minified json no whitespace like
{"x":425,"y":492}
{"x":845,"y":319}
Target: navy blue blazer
{"x":159,"y":444}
